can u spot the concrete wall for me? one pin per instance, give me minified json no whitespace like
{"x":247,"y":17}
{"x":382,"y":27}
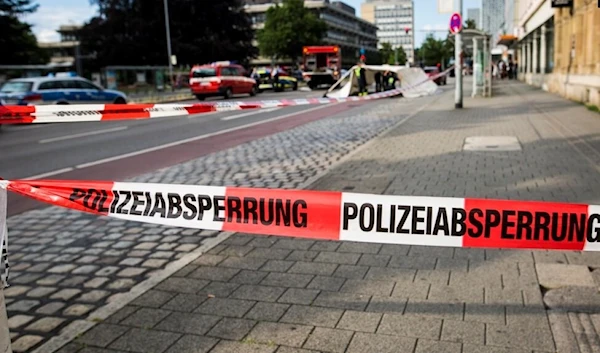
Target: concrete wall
{"x":581,"y":88}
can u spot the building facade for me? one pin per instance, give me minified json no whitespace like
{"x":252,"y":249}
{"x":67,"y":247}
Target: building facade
{"x":511,"y":18}
{"x":576,"y":52}
{"x":492,"y":18}
{"x":536,"y":41}
{"x":475,"y":16}
{"x":395,"y":22}
{"x":65,"y":52}
{"x":345,"y":29}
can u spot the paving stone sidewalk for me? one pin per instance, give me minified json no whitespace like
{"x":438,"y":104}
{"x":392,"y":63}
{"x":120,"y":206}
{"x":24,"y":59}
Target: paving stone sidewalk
{"x":267,"y":294}
{"x":67,"y":265}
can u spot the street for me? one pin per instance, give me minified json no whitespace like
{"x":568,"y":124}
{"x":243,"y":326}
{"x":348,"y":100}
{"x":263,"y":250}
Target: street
{"x":36,"y":151}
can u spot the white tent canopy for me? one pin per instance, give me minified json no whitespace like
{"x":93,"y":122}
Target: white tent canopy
{"x":413,"y":80}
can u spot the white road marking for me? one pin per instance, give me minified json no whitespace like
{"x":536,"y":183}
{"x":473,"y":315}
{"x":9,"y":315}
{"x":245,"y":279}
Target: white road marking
{"x":254,"y":112}
{"x":43,"y":175}
{"x":83,"y":134}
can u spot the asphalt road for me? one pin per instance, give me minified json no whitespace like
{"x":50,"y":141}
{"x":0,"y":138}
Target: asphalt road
{"x":121,"y":149}
{"x":34,"y":151}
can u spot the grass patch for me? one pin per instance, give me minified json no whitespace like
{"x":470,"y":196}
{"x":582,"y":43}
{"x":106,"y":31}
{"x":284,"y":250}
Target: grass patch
{"x":593,"y":108}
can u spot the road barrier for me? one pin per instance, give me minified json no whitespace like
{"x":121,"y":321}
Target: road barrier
{"x":386,"y":219}
{"x":104,"y":112}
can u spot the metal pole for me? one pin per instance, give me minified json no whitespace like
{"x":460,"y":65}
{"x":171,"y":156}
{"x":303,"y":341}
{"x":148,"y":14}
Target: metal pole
{"x":475,"y":71}
{"x":168,"y":42}
{"x":458,"y":94}
{"x":395,"y":56}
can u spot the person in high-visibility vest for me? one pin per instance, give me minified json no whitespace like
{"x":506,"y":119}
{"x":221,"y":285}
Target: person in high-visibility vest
{"x":359,"y":72}
{"x":391,"y":81}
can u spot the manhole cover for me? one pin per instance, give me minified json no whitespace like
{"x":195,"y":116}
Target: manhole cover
{"x":492,"y":143}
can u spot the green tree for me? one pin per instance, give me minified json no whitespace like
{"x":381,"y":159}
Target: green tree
{"x":434,"y":51}
{"x":288,"y":28}
{"x":132,"y":32}
{"x":18,"y":43}
{"x":470,"y":24}
{"x":388,"y":54}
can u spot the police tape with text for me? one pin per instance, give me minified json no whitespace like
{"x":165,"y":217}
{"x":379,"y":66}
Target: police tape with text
{"x":433,"y":221}
{"x":103,"y":112}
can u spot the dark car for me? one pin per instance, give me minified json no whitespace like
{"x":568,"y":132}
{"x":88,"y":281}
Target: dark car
{"x":57,"y":90}
{"x":432,"y":71}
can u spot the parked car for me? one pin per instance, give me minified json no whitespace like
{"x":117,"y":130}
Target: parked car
{"x":221,"y":79}
{"x":57,"y":90}
{"x":434,"y":70}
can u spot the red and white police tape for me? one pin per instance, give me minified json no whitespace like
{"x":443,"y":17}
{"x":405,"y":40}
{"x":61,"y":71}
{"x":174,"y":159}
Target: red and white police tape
{"x":103,"y":112}
{"x":409,"y":220}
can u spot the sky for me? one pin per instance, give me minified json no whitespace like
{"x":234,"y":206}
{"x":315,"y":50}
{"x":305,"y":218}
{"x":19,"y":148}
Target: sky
{"x":53,"y":13}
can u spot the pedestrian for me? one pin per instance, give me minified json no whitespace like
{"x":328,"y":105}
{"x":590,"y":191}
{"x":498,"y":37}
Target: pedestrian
{"x":254,"y":74}
{"x":275,"y":77}
{"x":359,"y":72}
{"x":378,"y":82}
{"x":390,"y":80}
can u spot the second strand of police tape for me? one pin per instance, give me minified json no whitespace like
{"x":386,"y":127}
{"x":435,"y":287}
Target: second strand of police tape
{"x":104,"y":112}
{"x":408,"y":220}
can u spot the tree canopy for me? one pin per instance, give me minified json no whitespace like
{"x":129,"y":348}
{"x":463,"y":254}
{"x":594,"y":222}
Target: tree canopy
{"x":18,"y":43}
{"x":470,"y":24}
{"x":434,"y":51}
{"x":132,"y":32}
{"x":388,"y":54}
{"x":289,"y":27}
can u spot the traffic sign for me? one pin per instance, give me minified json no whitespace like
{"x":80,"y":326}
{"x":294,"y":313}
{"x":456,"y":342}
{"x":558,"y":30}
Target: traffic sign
{"x":362,"y":51}
{"x":455,"y":23}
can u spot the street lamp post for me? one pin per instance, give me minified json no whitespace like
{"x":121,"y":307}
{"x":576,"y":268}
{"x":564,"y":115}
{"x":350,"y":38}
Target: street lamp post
{"x":168,"y":43}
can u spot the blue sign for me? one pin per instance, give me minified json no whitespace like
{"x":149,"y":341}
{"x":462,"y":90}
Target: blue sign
{"x":362,"y":51}
{"x":455,"y":23}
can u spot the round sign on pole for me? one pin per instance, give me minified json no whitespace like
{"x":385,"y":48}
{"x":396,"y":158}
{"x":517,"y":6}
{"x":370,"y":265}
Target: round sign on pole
{"x":455,"y":23}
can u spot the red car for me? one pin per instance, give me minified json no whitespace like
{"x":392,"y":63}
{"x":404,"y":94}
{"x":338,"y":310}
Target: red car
{"x":221,"y":79}
{"x":434,"y":70}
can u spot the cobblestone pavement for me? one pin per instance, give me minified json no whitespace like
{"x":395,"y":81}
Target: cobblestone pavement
{"x":65,"y":264}
{"x":267,"y":294}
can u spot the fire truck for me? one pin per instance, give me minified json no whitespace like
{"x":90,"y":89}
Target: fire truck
{"x":322,"y":65}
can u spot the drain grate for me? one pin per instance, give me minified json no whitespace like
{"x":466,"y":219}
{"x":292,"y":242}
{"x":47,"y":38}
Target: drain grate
{"x":492,"y":143}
